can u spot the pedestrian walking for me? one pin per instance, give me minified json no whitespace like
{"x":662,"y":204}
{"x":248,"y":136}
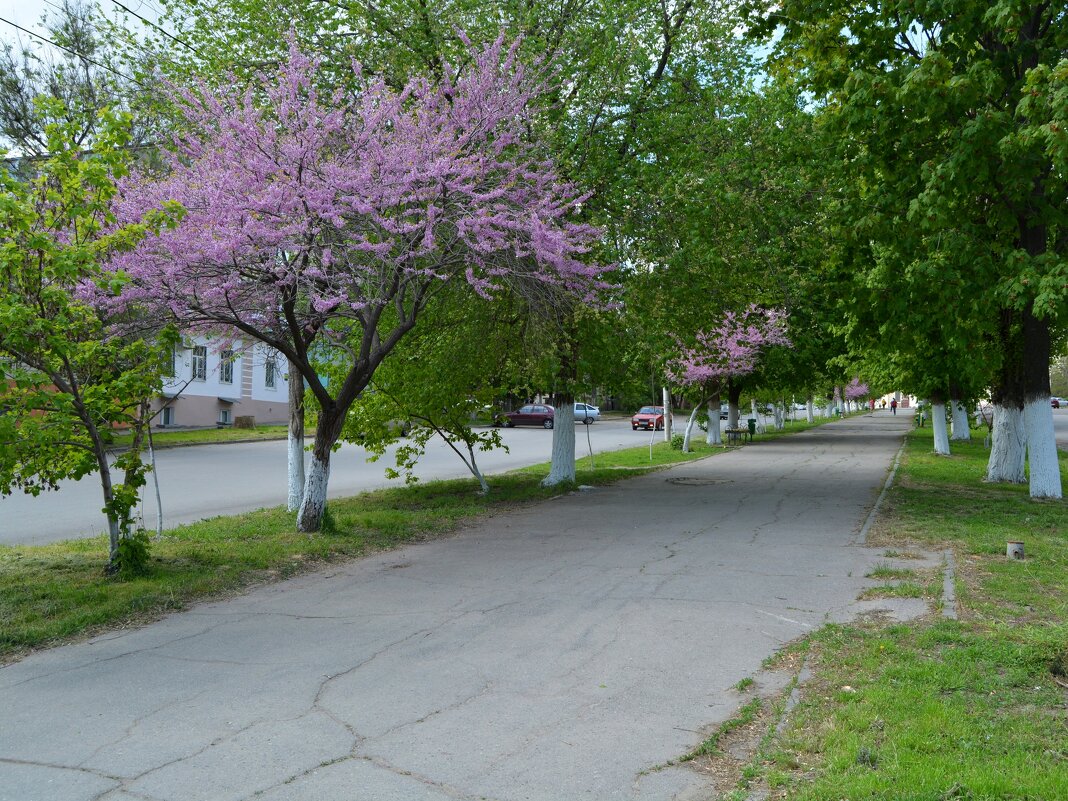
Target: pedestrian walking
{"x":893,"y":406}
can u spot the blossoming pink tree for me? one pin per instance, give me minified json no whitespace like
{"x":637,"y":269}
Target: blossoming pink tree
{"x":856,"y":390}
{"x":322,"y":226}
{"x":727,"y":352}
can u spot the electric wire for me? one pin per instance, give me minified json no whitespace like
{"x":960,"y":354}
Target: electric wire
{"x":153,"y":25}
{"x":75,"y":53}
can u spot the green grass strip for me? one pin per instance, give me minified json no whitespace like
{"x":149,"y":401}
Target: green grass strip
{"x":935,"y":710}
{"x":53,"y":592}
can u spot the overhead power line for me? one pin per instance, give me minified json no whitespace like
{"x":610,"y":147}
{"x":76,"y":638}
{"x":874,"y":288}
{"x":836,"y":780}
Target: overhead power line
{"x":153,"y":25}
{"x":74,"y":53}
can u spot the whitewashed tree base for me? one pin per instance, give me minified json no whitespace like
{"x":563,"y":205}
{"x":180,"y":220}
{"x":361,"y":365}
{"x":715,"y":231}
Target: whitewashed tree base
{"x":562,"y":470}
{"x":1042,"y":449}
{"x":295,"y":472}
{"x":313,"y":505}
{"x":961,"y":425}
{"x":1008,"y":447}
{"x":690,"y":423}
{"x":714,"y":436}
{"x":941,"y":432}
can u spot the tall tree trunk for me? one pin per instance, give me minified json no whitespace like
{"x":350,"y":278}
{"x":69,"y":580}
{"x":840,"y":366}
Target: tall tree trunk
{"x":734,"y":394}
{"x":668,"y":414}
{"x":313,"y":504}
{"x":715,"y":434}
{"x":562,"y":468}
{"x":690,"y":422}
{"x":295,"y":461}
{"x":938,"y":423}
{"x":962,"y":431}
{"x":961,"y":422}
{"x":1042,"y":461}
{"x":810,"y":410}
{"x":1008,"y":449}
{"x":104,"y":468}
{"x":778,"y":412}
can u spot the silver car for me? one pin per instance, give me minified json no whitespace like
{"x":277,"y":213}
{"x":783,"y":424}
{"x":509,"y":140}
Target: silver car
{"x":586,"y":413}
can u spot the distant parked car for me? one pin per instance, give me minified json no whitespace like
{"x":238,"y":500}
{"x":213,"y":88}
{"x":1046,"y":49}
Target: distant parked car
{"x":533,"y":414}
{"x":648,"y":417}
{"x":1055,"y":402}
{"x":586,"y":413}
{"x":724,"y":411}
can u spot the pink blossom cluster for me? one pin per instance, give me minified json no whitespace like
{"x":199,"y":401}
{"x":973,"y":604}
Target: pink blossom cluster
{"x":304,"y":209}
{"x":731,"y":349}
{"x":856,"y":390}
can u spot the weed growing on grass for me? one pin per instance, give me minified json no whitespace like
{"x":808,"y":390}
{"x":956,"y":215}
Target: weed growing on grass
{"x":887,"y":573}
{"x":746,"y":715}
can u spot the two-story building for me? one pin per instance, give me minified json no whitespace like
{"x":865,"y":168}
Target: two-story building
{"x":209,"y":386}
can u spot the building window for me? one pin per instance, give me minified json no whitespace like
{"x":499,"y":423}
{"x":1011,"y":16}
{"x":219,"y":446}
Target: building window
{"x":269,"y":368}
{"x":224,"y":417}
{"x":200,"y":363}
{"x":166,"y":416}
{"x":226,"y":367}
{"x":167,"y":366}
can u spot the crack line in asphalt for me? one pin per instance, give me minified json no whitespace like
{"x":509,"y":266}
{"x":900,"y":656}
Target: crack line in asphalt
{"x":136,"y":722}
{"x":58,"y":766}
{"x":447,"y":789}
{"x":123,"y":655}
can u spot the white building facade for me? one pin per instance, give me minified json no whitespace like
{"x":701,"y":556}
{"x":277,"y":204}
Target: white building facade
{"x":209,"y":385}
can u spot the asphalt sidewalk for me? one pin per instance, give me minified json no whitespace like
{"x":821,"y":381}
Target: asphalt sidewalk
{"x":552,"y":653}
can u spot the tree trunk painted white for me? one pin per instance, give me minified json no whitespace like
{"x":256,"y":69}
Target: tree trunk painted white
{"x":690,"y":422}
{"x":780,"y":422}
{"x":295,"y":472}
{"x":715,"y":434}
{"x":810,"y":410}
{"x":1041,"y":449}
{"x":961,"y":425}
{"x":1008,"y":448}
{"x":668,"y":420}
{"x":313,"y":504}
{"x":155,"y":483}
{"x":473,"y":467}
{"x":562,"y":470}
{"x":941,"y":433}
{"x":295,"y":457}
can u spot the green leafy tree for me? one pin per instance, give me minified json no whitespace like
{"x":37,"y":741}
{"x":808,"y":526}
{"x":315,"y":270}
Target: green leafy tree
{"x":943,"y":113}
{"x":441,"y":382}
{"x":620,"y":68}
{"x":70,"y":378}
{"x":82,"y":74}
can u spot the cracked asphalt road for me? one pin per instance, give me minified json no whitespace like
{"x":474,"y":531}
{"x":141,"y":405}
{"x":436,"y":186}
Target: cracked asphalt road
{"x":555,"y":652}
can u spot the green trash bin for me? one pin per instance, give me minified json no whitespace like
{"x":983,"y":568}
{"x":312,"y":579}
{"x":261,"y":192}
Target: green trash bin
{"x":752,"y":427}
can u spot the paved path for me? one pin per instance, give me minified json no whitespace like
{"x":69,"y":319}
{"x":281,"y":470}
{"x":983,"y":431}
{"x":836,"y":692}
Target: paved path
{"x":552,"y":653}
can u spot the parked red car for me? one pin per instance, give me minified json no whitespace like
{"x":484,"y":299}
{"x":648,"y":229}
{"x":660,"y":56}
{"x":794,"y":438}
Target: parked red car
{"x":648,"y":417}
{"x":533,"y":414}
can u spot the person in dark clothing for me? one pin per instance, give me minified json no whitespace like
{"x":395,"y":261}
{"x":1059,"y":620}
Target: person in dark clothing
{"x":893,"y":406}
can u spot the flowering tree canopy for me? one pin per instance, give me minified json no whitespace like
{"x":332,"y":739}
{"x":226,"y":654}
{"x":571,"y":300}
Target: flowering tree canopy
{"x":856,"y":390}
{"x":729,"y":350}
{"x":323,"y":225}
